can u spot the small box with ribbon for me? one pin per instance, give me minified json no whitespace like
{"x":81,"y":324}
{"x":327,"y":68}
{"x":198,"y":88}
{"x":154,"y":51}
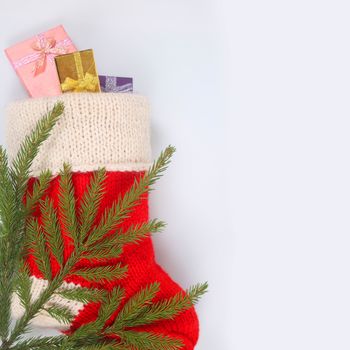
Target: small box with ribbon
{"x":77,"y":72}
{"x":115,"y":84}
{"x":33,"y":61}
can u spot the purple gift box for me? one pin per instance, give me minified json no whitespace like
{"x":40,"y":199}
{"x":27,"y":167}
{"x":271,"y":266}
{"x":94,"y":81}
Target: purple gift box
{"x":115,"y":84}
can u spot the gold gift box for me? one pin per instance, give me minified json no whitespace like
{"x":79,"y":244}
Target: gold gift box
{"x":77,"y":72}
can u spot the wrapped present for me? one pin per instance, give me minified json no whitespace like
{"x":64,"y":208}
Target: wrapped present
{"x":33,"y":60}
{"x":115,"y":84}
{"x":77,"y":72}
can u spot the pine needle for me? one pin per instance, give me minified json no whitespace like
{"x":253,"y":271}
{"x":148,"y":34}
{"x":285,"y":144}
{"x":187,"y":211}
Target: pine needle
{"x":60,"y":313}
{"x":39,"y":248}
{"x":197,"y":291}
{"x":8,"y":204}
{"x":102,"y":273}
{"x":110,"y":304}
{"x":103,"y":253}
{"x":23,"y":286}
{"x":134,"y":234}
{"x":67,"y":205}
{"x":9,"y":217}
{"x":121,"y":208}
{"x":30,"y":147}
{"x":52,"y":229}
{"x":168,"y":309}
{"x":135,"y":305}
{"x":91,"y":202}
{"x":148,"y":340}
{"x":39,"y":188}
{"x":83,"y":295}
{"x":40,"y":343}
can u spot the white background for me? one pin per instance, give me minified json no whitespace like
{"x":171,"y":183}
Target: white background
{"x":255,"y":95}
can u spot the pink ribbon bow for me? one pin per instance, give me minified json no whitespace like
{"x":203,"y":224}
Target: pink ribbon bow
{"x":46,"y":47}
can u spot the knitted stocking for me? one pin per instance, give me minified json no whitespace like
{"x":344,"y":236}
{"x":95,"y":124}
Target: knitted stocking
{"x":99,"y":130}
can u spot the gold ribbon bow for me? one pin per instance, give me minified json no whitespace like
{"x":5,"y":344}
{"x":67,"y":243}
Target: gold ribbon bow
{"x":88,"y":84}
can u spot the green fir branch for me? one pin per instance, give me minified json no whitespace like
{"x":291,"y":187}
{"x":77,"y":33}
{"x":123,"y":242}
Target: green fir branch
{"x":89,"y":333}
{"x":149,"y":340}
{"x":52,"y":229}
{"x":40,"y":186}
{"x":30,"y":148}
{"x":102,"y":273}
{"x":135,"y":305}
{"x":91,"y":342}
{"x":8,"y":206}
{"x":67,"y":204}
{"x":121,"y":209}
{"x":140,"y":311}
{"x":168,"y":309}
{"x":39,"y":248}
{"x":110,"y":304}
{"x":108,"y":252}
{"x":134,"y":234}
{"x":60,"y":313}
{"x":82,"y":295}
{"x":23,"y":286}
{"x":196,"y":292}
{"x":40,"y":343}
{"x":9,"y":221}
{"x":5,"y":314}
{"x":106,"y":346}
{"x":138,"y":232}
{"x":91,"y":202}
{"x":13,"y":215}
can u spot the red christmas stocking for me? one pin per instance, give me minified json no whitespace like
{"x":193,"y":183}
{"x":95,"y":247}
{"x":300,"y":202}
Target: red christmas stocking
{"x":110,"y":131}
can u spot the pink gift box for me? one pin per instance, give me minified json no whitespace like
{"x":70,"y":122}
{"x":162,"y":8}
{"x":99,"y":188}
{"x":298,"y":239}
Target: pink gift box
{"x":34,"y":62}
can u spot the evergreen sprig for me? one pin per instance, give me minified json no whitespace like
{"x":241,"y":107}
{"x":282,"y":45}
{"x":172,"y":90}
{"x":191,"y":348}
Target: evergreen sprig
{"x":60,"y":313}
{"x":67,"y":205}
{"x":91,"y":201}
{"x":39,"y":188}
{"x":135,"y":305}
{"x":89,"y":237}
{"x":24,"y":286}
{"x":81,"y":294}
{"x":13,"y":213}
{"x":147,"y":313}
{"x":30,"y":147}
{"x":149,"y":340}
{"x":52,"y":229}
{"x":40,"y":343}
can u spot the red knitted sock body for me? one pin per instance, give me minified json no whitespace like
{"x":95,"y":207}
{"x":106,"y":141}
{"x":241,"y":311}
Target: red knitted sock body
{"x":99,"y":119}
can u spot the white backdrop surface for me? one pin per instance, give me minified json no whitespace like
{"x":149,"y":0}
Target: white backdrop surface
{"x":255,"y":96}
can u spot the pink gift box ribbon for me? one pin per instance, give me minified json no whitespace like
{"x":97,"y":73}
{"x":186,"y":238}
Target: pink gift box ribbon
{"x":47,"y":48}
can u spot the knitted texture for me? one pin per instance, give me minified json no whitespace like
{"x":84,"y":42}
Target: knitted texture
{"x":99,"y":130}
{"x":96,"y":130}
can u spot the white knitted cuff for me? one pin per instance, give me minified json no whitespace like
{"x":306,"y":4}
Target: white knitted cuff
{"x":96,"y":130}
{"x":43,"y":319}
